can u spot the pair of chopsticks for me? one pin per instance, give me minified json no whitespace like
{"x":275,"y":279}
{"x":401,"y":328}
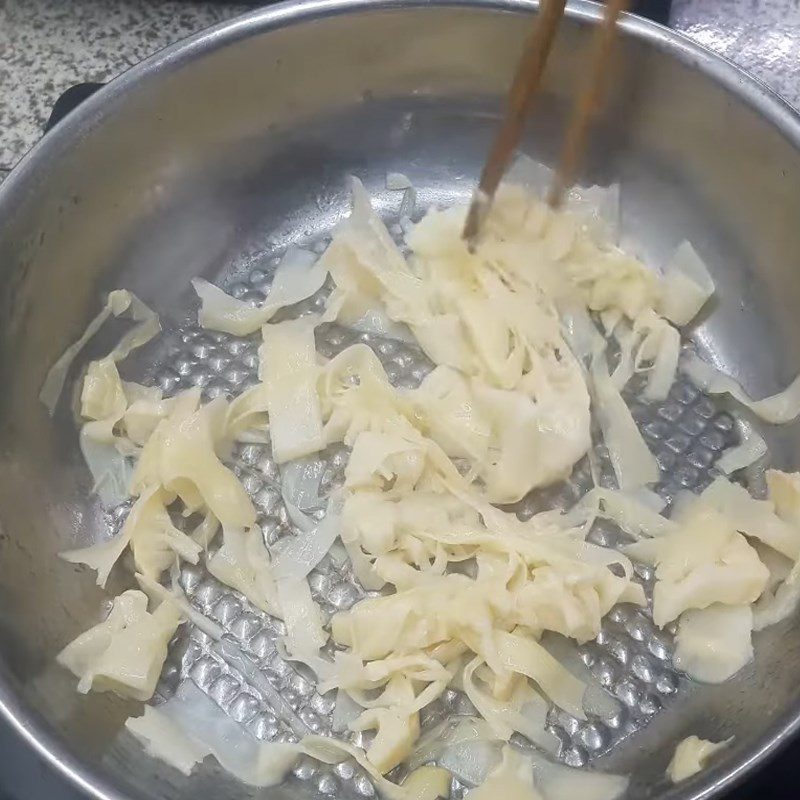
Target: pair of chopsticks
{"x":524,"y":87}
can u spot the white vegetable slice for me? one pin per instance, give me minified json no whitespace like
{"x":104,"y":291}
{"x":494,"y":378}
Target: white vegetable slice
{"x":165,"y":739}
{"x":100,"y":557}
{"x":756,"y":518}
{"x":627,"y":340}
{"x":779,"y":604}
{"x":448,"y":734}
{"x":243,"y":564}
{"x":396,"y":726}
{"x":126,"y":652}
{"x":181,"y":457}
{"x":523,"y":654}
{"x":345,"y":710}
{"x":210,"y":729}
{"x":777,"y":409}
{"x":289,"y":364}
{"x":596,"y":700}
{"x":300,"y":482}
{"x":662,"y":347}
{"x":784,"y":493}
{"x":369,"y":269}
{"x":713,"y":644}
{"x":633,"y":463}
{"x":556,"y":427}
{"x":246,"y":419}
{"x":379,"y":459}
{"x":147,"y":326}
{"x":363,"y":569}
{"x":687,"y":285}
{"x":580,"y":332}
{"x":629,"y":512}
{"x":444,"y":340}
{"x":298,"y":276}
{"x":453,"y":419}
{"x":118,"y":302}
{"x":560,"y":782}
{"x":149,"y":531}
{"x":143,"y":414}
{"x":471,"y":761}
{"x":175,"y":595}
{"x":112,"y":471}
{"x":102,"y":394}
{"x":598,"y":207}
{"x":781,"y":601}
{"x":512,"y":714}
{"x":334,"y":751}
{"x":104,"y":402}
{"x":294,"y":557}
{"x":751,"y":448}
{"x":304,"y":632}
{"x":512,"y":780}
{"x":704,"y":561}
{"x":691,"y":756}
{"x":374,"y":320}
{"x":427,"y":783}
{"x":206,"y":530}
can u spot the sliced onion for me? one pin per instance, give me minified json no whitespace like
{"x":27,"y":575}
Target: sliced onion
{"x":289,"y":364}
{"x":756,"y":518}
{"x":560,"y":782}
{"x":209,"y":728}
{"x":295,"y":556}
{"x":713,"y":644}
{"x":111,"y":471}
{"x":298,"y":276}
{"x":777,"y":409}
{"x":471,"y":761}
{"x":301,"y":615}
{"x":163,"y":738}
{"x":118,"y":302}
{"x":687,"y":285}
{"x":633,"y":463}
{"x":751,"y":448}
{"x":300,"y":482}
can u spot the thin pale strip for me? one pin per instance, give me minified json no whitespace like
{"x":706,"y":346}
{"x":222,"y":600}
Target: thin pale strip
{"x":294,"y":557}
{"x":686,"y":287}
{"x":633,"y":463}
{"x":118,"y":302}
{"x":289,"y":364}
{"x":751,"y":448}
{"x":298,"y":276}
{"x":777,"y":409}
{"x":526,"y":656}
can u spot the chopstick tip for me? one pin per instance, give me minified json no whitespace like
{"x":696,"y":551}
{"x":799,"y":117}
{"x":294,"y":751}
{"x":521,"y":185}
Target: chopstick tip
{"x":476,"y":215}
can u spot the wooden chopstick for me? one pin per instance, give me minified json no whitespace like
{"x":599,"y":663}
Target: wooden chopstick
{"x":586,"y":104}
{"x":524,"y":87}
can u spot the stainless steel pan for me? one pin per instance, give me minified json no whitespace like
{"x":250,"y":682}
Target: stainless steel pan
{"x":209,"y":158}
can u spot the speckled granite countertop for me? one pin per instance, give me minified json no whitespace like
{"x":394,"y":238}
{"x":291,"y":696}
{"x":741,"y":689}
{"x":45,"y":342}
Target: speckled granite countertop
{"x":762,"y":36}
{"x":48,"y":45}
